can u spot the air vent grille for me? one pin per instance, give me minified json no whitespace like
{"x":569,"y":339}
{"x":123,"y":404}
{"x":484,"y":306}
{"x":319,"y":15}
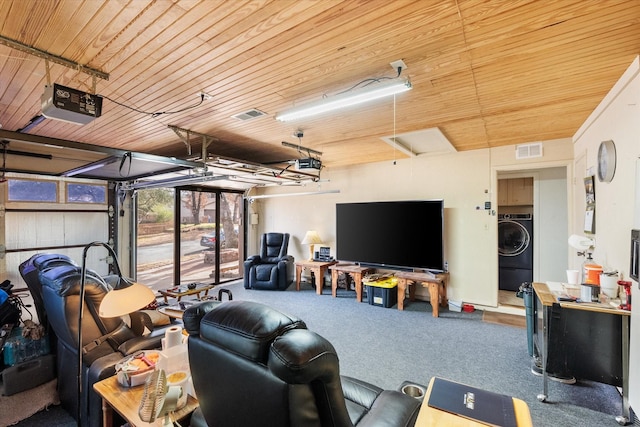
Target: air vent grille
{"x":528,"y":151}
{"x":250,"y":114}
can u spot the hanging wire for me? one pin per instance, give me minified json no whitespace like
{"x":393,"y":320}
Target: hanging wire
{"x":394,"y":130}
{"x":367,"y":82}
{"x":156,"y":113}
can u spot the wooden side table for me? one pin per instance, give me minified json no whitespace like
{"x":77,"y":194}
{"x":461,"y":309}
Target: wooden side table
{"x":429,"y":416}
{"x":355,"y":271}
{"x":437,"y":288}
{"x":318,"y":268}
{"x":126,"y":401}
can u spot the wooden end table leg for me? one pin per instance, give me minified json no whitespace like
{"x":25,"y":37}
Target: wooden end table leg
{"x":444,"y":302}
{"x":402,"y":289}
{"x":319,"y":279}
{"x":107,"y":414}
{"x":298,"y":274}
{"x":434,"y":296}
{"x":357,"y":283}
{"x":334,"y":283}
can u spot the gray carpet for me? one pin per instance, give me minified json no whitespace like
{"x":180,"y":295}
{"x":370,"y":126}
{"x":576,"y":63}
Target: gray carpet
{"x":385,"y":346}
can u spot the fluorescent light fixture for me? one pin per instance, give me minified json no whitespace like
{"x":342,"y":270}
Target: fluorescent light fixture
{"x":347,"y":99}
{"x":91,"y":166}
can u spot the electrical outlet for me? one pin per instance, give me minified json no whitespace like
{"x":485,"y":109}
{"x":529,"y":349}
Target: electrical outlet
{"x":204,"y":96}
{"x":398,"y":64}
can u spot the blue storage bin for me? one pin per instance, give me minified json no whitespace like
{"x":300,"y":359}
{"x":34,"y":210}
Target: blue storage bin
{"x":18,"y":349}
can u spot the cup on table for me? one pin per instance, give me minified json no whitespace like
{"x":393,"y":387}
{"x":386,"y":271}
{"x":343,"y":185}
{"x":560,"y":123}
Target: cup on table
{"x":179,"y":378}
{"x":573,"y":277}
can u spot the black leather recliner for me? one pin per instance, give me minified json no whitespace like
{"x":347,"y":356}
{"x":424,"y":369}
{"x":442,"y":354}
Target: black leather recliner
{"x":252,"y":365}
{"x":273,"y":268}
{"x":105,"y":340}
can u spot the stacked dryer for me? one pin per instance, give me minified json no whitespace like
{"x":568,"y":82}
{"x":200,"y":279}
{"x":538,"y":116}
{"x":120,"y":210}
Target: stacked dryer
{"x":515,"y":250}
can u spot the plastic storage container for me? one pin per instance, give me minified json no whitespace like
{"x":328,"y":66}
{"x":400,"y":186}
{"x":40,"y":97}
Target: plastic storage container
{"x":18,"y":349}
{"x":592,"y":274}
{"x":383,"y":293}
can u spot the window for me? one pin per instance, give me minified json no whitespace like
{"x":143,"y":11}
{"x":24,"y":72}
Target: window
{"x":86,"y":193}
{"x":23,"y":190}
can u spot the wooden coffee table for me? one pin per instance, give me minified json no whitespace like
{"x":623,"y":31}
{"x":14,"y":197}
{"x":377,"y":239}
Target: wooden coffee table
{"x":175,"y":292}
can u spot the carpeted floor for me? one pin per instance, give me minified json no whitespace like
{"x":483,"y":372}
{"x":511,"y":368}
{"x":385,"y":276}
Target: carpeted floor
{"x":22,"y":405}
{"x":386,"y":347}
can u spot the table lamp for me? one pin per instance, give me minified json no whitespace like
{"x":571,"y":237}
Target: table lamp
{"x":126,"y":297}
{"x":311,"y":238}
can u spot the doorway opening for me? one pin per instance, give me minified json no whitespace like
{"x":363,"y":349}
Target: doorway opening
{"x":533,"y":222}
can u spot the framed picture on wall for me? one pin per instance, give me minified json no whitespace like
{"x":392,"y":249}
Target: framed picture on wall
{"x":590,"y":190}
{"x":590,"y":211}
{"x":590,"y":219}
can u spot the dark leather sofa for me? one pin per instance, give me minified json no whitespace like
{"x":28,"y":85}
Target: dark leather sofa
{"x":252,"y":365}
{"x":54,"y":281}
{"x":272,"y":269}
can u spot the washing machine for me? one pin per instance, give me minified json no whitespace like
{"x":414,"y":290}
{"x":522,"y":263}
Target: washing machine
{"x":515,"y":250}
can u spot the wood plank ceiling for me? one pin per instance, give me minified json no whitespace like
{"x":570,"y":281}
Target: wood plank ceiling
{"x":487,"y":73}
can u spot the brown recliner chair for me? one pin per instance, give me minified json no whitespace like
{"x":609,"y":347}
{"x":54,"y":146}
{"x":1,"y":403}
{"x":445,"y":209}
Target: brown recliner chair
{"x":252,"y":365}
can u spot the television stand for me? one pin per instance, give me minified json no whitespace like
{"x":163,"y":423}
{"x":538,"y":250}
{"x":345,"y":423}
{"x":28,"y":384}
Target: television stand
{"x":437,"y":285}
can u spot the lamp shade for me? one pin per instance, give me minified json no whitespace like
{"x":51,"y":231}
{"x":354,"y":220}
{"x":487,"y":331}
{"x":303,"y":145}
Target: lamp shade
{"x":311,"y":238}
{"x":127,"y":298}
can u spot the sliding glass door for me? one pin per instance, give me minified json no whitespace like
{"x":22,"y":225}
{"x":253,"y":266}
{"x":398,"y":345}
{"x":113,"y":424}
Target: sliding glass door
{"x":189,"y":235}
{"x":232,"y":254}
{"x":155,"y":237}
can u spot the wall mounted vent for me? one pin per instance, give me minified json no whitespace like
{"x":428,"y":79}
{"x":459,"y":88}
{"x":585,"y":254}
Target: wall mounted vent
{"x":250,"y":114}
{"x":528,"y":151}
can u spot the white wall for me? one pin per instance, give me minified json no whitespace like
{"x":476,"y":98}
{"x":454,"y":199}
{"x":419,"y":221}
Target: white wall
{"x":551,"y":222}
{"x":617,"y":118}
{"x":464,"y":180}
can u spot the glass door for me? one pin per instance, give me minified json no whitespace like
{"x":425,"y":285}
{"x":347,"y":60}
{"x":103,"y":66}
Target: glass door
{"x":199,"y":238}
{"x":232,"y":254}
{"x":155,"y":237}
{"x":189,"y":235}
{"x":210,"y":236}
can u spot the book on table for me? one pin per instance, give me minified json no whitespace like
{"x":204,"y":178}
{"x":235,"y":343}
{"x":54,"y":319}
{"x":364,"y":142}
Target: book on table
{"x":470,"y":402}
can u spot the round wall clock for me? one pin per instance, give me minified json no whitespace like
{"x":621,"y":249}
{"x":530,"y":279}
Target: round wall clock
{"x":606,"y":161}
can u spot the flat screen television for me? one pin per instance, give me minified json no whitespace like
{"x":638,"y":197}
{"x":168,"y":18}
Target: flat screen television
{"x":397,"y":235}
